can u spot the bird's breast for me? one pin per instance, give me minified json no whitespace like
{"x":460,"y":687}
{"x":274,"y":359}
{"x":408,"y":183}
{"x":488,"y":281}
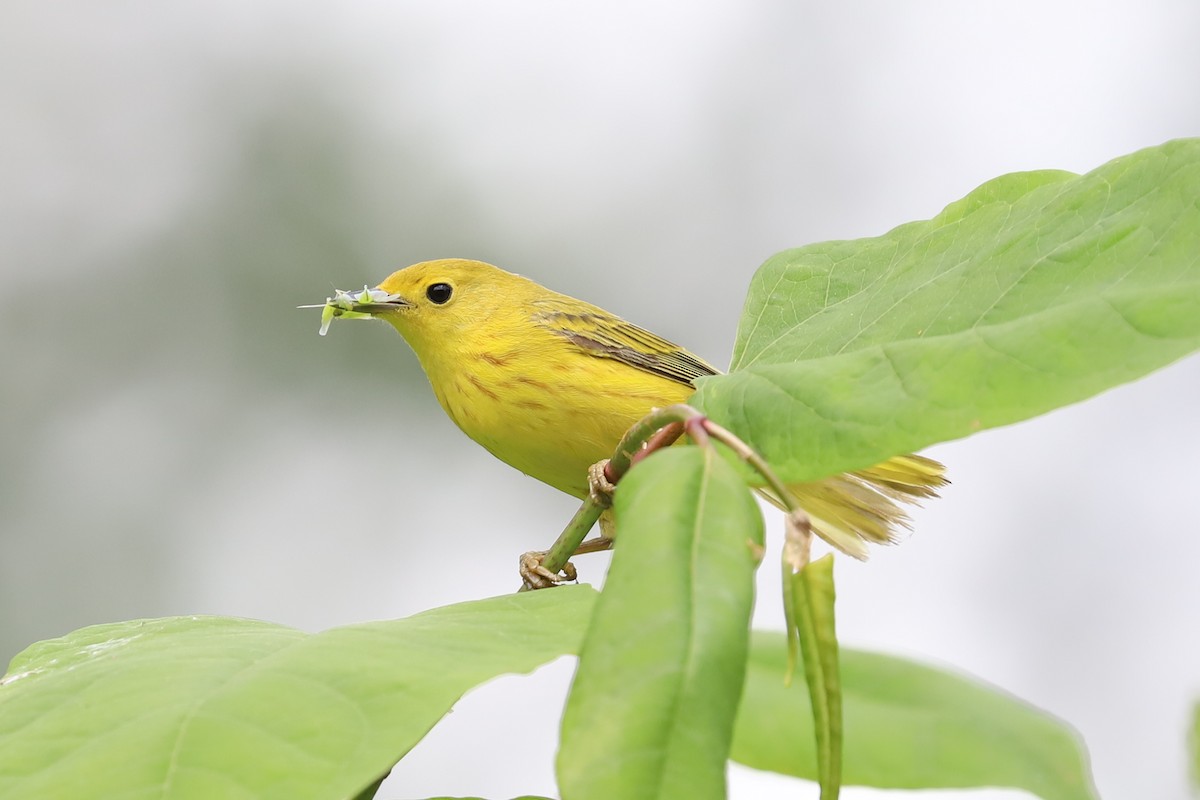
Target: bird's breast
{"x":550,"y":412}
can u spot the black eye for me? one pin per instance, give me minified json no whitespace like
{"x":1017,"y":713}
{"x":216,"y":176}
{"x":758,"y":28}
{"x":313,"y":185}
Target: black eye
{"x":439,"y":292}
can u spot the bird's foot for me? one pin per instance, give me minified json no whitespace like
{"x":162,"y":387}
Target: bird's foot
{"x":535,"y":576}
{"x":600,"y":488}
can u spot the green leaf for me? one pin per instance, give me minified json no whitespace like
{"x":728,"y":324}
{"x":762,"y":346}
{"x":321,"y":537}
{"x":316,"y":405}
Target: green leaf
{"x":908,"y":726}
{"x":203,"y":707}
{"x":369,"y":792}
{"x":809,"y":595}
{"x":651,"y":711}
{"x":1035,"y":291}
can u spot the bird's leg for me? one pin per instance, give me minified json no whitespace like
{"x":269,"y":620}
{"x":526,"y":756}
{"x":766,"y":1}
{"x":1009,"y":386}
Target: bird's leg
{"x":600,"y":488}
{"x":534,"y":575}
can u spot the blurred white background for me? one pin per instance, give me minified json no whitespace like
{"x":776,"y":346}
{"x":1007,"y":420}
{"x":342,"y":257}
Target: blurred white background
{"x":176,"y":177}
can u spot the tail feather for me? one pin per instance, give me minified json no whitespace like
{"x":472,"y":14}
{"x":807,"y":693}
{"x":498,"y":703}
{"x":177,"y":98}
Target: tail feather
{"x":912,"y":476}
{"x":858,"y":508}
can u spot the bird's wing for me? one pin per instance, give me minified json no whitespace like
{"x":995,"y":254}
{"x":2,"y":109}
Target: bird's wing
{"x":603,"y":335}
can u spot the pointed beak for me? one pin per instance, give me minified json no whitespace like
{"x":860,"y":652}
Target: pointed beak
{"x":358,"y":305}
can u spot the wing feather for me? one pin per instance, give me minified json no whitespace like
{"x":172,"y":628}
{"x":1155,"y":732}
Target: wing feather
{"x":606,"y":336}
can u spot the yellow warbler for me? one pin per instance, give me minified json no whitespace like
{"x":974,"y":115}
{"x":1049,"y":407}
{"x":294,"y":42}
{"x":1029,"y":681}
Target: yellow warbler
{"x":549,"y":384}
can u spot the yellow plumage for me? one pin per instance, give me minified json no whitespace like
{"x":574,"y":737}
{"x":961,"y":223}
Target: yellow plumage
{"x":549,"y":384}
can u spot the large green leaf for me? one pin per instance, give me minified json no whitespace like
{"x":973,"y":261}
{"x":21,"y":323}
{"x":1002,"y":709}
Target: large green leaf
{"x":204,"y":707}
{"x":651,"y":711}
{"x":908,"y":726}
{"x":1035,"y":291}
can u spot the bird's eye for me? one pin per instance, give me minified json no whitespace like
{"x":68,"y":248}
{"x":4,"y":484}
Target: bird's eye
{"x":439,"y":292}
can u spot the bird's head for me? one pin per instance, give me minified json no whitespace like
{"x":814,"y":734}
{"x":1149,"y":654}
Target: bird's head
{"x":434,"y":301}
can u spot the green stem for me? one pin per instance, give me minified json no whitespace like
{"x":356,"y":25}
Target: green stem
{"x":747,"y":454}
{"x":631,"y":448}
{"x":569,"y":540}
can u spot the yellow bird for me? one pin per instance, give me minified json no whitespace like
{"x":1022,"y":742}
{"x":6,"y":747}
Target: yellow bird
{"x":549,"y":385}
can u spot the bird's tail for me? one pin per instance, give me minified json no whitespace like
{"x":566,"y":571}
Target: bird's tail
{"x":855,"y":509}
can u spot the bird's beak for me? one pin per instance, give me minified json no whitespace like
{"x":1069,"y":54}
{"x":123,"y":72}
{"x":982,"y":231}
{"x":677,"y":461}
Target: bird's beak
{"x":358,"y":305}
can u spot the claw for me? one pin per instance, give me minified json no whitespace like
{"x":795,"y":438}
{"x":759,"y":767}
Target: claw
{"x":535,"y":576}
{"x":600,"y":488}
